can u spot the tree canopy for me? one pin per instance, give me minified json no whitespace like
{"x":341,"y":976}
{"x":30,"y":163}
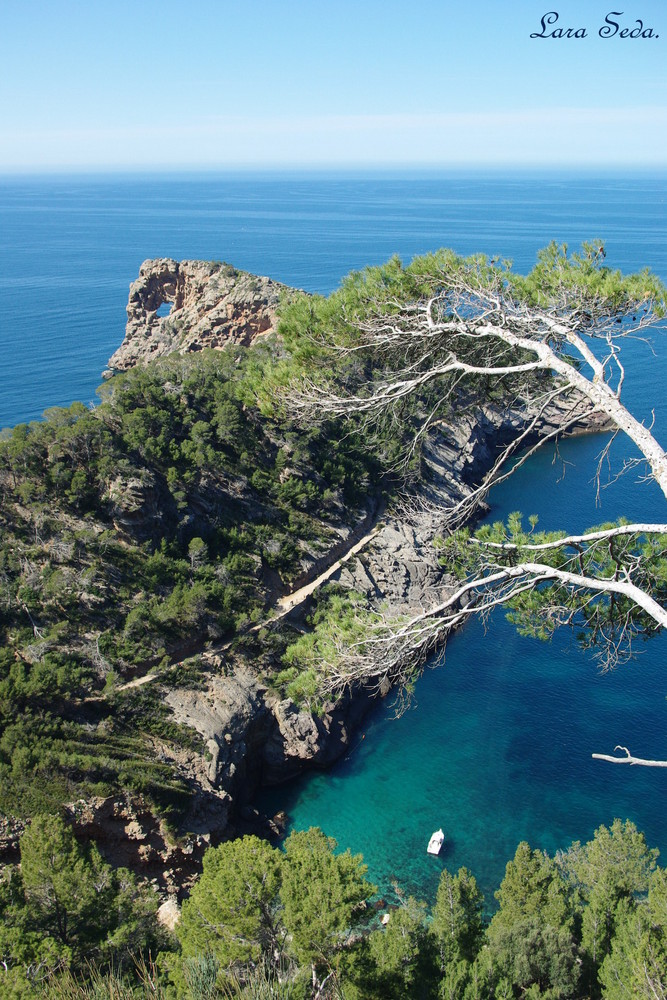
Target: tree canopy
{"x":589,"y":922}
{"x":448,"y":332}
{"x":254,"y":902}
{"x":65,"y":907}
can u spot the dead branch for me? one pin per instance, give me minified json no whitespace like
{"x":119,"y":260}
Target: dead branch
{"x":629,"y":759}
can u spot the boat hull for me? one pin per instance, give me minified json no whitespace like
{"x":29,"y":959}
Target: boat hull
{"x":436,"y":842}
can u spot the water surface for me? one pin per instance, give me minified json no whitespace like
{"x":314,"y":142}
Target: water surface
{"x":497,"y":746}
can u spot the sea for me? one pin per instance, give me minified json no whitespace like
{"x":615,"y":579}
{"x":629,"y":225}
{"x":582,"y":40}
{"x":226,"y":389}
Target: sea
{"x":496,"y":745}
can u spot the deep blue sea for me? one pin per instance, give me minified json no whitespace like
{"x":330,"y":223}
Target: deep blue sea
{"x":497,"y":747}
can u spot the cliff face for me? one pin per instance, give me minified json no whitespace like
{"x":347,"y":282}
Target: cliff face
{"x":251,"y":736}
{"x":185,"y":306}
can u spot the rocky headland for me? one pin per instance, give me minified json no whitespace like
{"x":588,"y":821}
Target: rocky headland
{"x":252,"y":735}
{"x":185,"y":306}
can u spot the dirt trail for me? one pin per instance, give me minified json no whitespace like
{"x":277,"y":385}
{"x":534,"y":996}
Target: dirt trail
{"x":283,"y":606}
{"x":290,"y":601}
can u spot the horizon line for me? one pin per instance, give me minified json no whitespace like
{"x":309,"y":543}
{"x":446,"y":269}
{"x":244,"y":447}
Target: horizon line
{"x":330,"y":168}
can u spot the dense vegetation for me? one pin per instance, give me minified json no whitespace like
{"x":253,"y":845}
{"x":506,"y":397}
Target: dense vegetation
{"x":468,"y":328}
{"x":304,"y":922}
{"x":170,"y":517}
{"x":134,"y":534}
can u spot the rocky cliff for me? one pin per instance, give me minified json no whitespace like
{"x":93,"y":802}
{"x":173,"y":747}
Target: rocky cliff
{"x":251,"y":735}
{"x":255,"y":738}
{"x":188,"y":305}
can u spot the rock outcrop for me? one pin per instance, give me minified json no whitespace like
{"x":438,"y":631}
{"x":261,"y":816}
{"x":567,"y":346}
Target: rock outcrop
{"x":299,"y":740}
{"x":232,"y":716}
{"x":128,"y":835}
{"x":11,"y":829}
{"x":189,"y":305}
{"x":138,"y":506}
{"x":400,"y":565}
{"x":254,"y":737}
{"x":251,"y":735}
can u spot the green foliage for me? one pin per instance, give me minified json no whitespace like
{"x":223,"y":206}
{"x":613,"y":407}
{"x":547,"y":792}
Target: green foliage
{"x":636,"y":964}
{"x":579,"y":282}
{"x":265,"y":982}
{"x":531,"y":943}
{"x":135,"y":533}
{"x":606,"y":621}
{"x":68,"y":907}
{"x":154,"y":523}
{"x":532,"y":888}
{"x":583,"y":281}
{"x":458,"y":918}
{"x":401,"y":956}
{"x":201,"y":976}
{"x":254,"y":904}
{"x":323,"y":895}
{"x":62,"y":887}
{"x":260,"y":923}
{"x":339,"y":621}
{"x":617,"y":859}
{"x":532,"y":959}
{"x":95,"y":984}
{"x":231,"y":911}
{"x":614,"y":866}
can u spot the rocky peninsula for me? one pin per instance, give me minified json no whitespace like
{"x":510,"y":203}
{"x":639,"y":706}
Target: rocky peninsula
{"x":252,"y":735}
{"x":167,"y":548}
{"x":190,"y":305}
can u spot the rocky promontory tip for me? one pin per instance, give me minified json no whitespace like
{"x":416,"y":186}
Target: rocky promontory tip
{"x":185,"y":306}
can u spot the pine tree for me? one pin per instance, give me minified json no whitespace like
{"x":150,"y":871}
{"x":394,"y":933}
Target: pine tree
{"x":231,"y":912}
{"x":323,"y":896}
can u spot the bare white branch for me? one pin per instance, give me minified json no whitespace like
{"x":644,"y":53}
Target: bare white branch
{"x":471,"y":335}
{"x":586,"y":538}
{"x":629,"y":759}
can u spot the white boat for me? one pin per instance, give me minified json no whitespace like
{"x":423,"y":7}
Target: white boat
{"x":436,"y":842}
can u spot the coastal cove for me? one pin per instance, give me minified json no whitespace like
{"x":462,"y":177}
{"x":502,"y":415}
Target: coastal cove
{"x":498,"y":746}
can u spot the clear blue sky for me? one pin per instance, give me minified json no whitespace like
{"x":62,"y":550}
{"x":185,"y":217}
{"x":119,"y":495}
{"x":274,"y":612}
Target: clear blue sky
{"x":265,"y":83}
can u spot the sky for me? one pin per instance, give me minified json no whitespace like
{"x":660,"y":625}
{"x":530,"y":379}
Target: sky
{"x":214,"y":84}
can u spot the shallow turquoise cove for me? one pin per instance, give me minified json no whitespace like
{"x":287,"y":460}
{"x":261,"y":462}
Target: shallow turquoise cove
{"x":497,"y":745}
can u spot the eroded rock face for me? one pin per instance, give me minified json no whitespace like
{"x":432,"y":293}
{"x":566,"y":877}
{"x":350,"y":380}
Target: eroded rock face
{"x":128,"y":834}
{"x":212,"y":305}
{"x":138,"y":506}
{"x":299,"y":739}
{"x":231,"y":715}
{"x":295,"y":741}
{"x":401,"y":565}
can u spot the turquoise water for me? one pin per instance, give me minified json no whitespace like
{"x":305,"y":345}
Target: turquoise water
{"x":497,"y":747}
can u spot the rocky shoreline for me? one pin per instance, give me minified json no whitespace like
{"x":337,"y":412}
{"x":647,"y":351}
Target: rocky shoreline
{"x":252,"y":737}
